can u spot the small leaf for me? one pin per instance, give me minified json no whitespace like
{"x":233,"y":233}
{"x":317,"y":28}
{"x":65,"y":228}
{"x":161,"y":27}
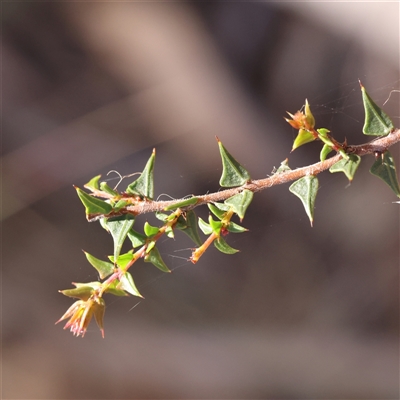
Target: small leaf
{"x":183,"y":203}
{"x":284,"y":167}
{"x":205,"y":228}
{"x":233,"y":174}
{"x":235,"y":228}
{"x":222,"y":206}
{"x":136,"y":238}
{"x":123,"y":259}
{"x":150,"y":230}
{"x":93,"y":206}
{"x":224,"y":247}
{"x":215,"y":225}
{"x":216,"y":211}
{"x":169,"y":232}
{"x":323,"y":132}
{"x":161,"y":216}
{"x":94,"y":285}
{"x":104,"y":268}
{"x":105,"y":188}
{"x":302,"y":137}
{"x":348,"y":167}
{"x":155,"y":258}
{"x":113,"y":289}
{"x":189,"y":226}
{"x":127,"y":284}
{"x":93,"y":184}
{"x":385,"y":168}
{"x":326,"y":149}
{"x":119,"y":205}
{"x":81,"y":292}
{"x":144,"y":185}
{"x":376,"y":123}
{"x":324,"y":137}
{"x":119,"y":228}
{"x":306,"y":189}
{"x":150,"y":246}
{"x":309,"y":116}
{"x":239,"y":202}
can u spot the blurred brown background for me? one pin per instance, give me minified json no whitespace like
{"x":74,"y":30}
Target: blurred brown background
{"x":299,"y":312}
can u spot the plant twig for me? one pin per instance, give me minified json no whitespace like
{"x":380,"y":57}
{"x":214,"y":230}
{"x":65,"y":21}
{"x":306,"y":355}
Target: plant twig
{"x":377,"y":145}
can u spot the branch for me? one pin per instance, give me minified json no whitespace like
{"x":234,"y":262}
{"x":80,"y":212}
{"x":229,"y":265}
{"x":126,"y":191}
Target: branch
{"x":379,"y":145}
{"x":137,"y":199}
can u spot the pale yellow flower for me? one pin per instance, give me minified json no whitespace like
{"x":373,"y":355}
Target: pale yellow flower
{"x":80,"y":314}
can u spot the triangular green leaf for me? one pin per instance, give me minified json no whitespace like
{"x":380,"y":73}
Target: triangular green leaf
{"x":104,"y":268}
{"x":93,"y":184}
{"x":224,"y":247}
{"x":306,"y":189}
{"x":323,"y":132}
{"x":136,"y":238}
{"x":144,"y":185}
{"x":216,"y":210}
{"x":302,"y":137}
{"x":205,"y":228}
{"x":119,"y":228}
{"x":94,"y":285}
{"x":120,"y":204}
{"x":93,"y":207}
{"x":161,"y":216}
{"x":222,"y":206}
{"x":348,"y":167}
{"x":233,"y":174}
{"x":155,"y":258}
{"x":188,"y":225}
{"x":385,"y":168}
{"x":105,"y":188}
{"x":324,"y":137}
{"x":326,"y":149}
{"x":113,"y":289}
{"x":235,"y":228}
{"x":309,"y":115}
{"x":376,"y":123}
{"x":239,"y":202}
{"x":123,"y":259}
{"x":284,"y":167}
{"x":150,"y":230}
{"x":215,"y":225}
{"x":150,"y":246}
{"x":169,"y":231}
{"x":128,"y":284}
{"x":82,"y":291}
